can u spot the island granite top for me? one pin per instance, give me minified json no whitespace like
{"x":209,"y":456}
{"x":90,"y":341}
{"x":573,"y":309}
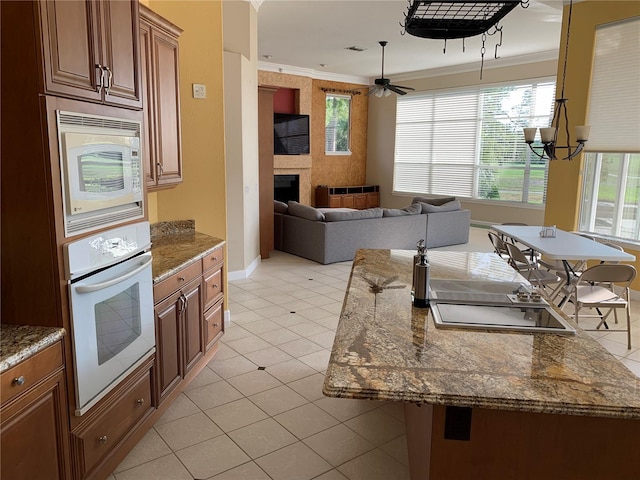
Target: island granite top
{"x":19,"y":342}
{"x":386,"y":349}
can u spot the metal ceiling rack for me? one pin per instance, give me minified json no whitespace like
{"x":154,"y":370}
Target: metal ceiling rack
{"x":454,"y":18}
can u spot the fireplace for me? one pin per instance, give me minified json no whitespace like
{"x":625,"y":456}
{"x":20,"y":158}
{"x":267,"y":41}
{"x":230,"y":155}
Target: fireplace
{"x":286,"y":187}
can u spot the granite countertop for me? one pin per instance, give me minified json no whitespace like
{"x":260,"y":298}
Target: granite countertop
{"x":19,"y":342}
{"x":387,"y":349}
{"x":175,"y":245}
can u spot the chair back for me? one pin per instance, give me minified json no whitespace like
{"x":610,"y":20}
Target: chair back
{"x":516,"y":255}
{"x":622,"y":274}
{"x":499,"y":245}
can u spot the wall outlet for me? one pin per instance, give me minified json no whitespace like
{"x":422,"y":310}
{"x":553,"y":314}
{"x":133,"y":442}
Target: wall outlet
{"x":199,"y":91}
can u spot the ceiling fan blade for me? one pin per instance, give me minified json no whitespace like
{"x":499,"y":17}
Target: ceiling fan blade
{"x":393,"y":88}
{"x":400,"y":86}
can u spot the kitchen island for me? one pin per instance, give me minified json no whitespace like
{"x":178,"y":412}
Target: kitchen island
{"x":479,"y":403}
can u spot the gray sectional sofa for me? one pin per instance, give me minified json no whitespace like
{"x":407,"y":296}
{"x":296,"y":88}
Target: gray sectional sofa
{"x":333,"y":235}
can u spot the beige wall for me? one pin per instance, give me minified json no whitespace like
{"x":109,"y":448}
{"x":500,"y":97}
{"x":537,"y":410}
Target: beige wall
{"x":241,"y":126}
{"x":381,"y":139}
{"x":202,"y":195}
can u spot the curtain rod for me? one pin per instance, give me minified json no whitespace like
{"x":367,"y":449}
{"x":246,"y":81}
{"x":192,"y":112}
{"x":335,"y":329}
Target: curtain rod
{"x":337,"y":90}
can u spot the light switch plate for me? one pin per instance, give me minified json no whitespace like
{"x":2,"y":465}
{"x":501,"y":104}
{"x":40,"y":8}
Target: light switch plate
{"x":199,"y":90}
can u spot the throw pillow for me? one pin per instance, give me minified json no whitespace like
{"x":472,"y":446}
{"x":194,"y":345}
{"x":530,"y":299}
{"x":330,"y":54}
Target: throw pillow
{"x":354,"y":215}
{"x":280,"y":207}
{"x":305,"y":211}
{"x":433,"y":200}
{"x":447,"y":207}
{"x":413,"y":209}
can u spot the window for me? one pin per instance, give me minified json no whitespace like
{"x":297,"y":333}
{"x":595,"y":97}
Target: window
{"x":610,"y":200}
{"x":337,"y":124}
{"x":611,"y":195}
{"x":468,"y":142}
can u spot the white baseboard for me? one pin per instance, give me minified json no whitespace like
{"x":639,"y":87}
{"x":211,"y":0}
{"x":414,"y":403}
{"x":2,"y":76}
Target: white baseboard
{"x":242,"y":274}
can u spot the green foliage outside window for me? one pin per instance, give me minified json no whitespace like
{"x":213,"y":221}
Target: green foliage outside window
{"x":337,"y":123}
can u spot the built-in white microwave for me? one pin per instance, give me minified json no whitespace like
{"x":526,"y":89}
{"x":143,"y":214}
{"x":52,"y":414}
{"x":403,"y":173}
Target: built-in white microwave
{"x":101,"y":170}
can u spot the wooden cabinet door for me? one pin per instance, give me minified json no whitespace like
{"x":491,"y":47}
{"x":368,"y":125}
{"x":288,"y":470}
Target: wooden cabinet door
{"x":360,"y":201}
{"x":335,"y":201}
{"x":34,"y":434}
{"x":71,"y":48}
{"x":148,"y":134}
{"x":167,"y":108}
{"x":348,"y":201}
{"x":168,"y":344}
{"x":121,"y":52}
{"x":161,"y":90}
{"x":192,"y":325}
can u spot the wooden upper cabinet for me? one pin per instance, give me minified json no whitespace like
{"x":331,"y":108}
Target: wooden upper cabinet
{"x":91,"y":51}
{"x":161,"y":87}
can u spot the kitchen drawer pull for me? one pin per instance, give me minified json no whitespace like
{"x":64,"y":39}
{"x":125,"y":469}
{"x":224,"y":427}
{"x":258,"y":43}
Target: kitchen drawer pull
{"x":140,"y":401}
{"x":213,"y":259}
{"x":181,"y":279}
{"x":19,"y":381}
{"x":115,"y":281}
{"x":103,"y":439}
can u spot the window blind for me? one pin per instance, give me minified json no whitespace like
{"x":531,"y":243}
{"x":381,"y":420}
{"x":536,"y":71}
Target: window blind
{"x":614,"y":100}
{"x":462,"y":142}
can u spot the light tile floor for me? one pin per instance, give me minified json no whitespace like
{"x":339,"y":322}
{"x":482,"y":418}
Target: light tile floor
{"x":257,"y":412}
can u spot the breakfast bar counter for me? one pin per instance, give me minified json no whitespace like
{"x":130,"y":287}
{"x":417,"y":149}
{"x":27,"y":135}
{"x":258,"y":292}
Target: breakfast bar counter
{"x":386,"y":349}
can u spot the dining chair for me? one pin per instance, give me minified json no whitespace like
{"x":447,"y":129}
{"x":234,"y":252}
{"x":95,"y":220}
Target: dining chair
{"x":596,"y":289}
{"x":530,"y":270}
{"x":499,"y":246}
{"x":533,"y":255}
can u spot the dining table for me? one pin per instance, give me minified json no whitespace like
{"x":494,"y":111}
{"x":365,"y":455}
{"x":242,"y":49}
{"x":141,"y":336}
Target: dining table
{"x":556,"y":244}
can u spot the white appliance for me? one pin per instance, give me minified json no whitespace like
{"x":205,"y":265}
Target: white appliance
{"x":101,"y":169}
{"x":111,"y":304}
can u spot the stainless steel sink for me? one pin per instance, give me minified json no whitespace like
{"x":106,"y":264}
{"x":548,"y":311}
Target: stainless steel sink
{"x":493,"y":306}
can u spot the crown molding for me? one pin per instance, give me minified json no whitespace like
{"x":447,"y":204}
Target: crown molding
{"x":475,"y":66}
{"x":310,"y":72}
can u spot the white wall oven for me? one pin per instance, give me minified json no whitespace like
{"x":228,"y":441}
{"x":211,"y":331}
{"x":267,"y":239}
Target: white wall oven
{"x":101,"y":169}
{"x":111,"y":304}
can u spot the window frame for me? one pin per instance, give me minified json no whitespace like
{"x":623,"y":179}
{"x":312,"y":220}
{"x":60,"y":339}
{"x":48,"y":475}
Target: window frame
{"x":437,"y":167}
{"x":350,"y":103}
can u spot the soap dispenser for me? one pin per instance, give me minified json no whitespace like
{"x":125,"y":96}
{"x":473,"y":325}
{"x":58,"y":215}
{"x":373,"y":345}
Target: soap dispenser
{"x":421,"y":277}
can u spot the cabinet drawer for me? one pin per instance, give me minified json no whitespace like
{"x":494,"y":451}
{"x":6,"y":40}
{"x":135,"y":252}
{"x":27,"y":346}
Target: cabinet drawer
{"x":176,"y":281}
{"x":213,"y":323}
{"x":212,"y":287}
{"x":101,"y":436}
{"x":23,"y":376}
{"x":212,"y":259}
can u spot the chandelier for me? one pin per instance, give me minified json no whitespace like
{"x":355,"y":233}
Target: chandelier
{"x":549,"y":135}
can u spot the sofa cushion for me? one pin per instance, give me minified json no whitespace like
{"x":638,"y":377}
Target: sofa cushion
{"x":413,"y":209}
{"x":433,"y":200}
{"x":447,"y":207}
{"x":280,"y":207}
{"x":354,"y":215}
{"x":304,"y":211}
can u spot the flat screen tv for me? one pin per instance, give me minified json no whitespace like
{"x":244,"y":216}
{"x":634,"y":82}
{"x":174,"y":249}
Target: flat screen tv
{"x":290,"y":134}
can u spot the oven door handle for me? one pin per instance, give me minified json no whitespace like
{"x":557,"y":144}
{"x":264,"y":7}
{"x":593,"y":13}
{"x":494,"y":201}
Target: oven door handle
{"x":115,"y":281}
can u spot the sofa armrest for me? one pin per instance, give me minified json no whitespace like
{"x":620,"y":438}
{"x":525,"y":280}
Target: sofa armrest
{"x":447,"y":228}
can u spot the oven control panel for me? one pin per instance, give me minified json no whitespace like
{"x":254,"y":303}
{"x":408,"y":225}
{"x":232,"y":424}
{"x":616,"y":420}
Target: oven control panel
{"x":105,"y":248}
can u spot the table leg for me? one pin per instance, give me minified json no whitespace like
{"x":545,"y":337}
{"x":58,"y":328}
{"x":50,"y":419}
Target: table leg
{"x":418,"y":419}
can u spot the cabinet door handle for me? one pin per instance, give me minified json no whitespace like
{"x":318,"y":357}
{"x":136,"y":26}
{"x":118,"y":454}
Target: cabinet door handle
{"x":109,"y":80}
{"x":103,"y":439}
{"x":19,"y":381}
{"x":140,"y":401}
{"x":215,"y":285}
{"x":216,"y":324}
{"x":159,"y":169}
{"x":101,"y":84}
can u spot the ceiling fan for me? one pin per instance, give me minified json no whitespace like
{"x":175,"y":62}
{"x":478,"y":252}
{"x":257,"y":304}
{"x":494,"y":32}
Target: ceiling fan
{"x":383,"y":86}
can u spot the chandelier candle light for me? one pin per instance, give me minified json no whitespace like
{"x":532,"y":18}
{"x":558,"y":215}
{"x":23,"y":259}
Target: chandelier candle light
{"x":549,"y":135}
